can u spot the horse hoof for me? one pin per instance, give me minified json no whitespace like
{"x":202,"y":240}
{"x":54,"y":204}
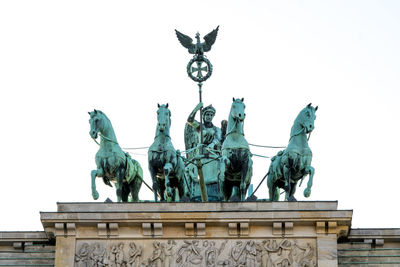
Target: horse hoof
{"x":185,"y":199}
{"x":307,"y":193}
{"x":95,"y":195}
{"x":292,"y":199}
{"x":235,"y":199}
{"x":251,"y":198}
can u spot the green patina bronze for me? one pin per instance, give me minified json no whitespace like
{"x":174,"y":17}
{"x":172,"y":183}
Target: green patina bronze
{"x":113,"y":164}
{"x":293,"y":163}
{"x":198,"y":65}
{"x":198,"y":48}
{"x":218,"y":160}
{"x":166,"y":167}
{"x":236,"y":163}
{"x":212,"y":141}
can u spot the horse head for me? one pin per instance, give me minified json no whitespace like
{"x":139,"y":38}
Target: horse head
{"x":96,"y":122}
{"x":163,"y":118}
{"x":304,"y":121}
{"x":237,"y":109}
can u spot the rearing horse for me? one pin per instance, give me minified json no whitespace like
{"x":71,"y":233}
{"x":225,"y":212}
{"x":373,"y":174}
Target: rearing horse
{"x":236,"y":164}
{"x":112,"y":163}
{"x":293,"y":163}
{"x":166,"y":167}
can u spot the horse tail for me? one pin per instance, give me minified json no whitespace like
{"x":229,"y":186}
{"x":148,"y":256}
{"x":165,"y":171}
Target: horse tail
{"x":139,"y":172}
{"x":183,"y":181}
{"x":274,"y":171}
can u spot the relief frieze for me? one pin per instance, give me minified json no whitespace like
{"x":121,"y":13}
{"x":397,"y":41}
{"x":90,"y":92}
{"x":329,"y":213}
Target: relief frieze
{"x":197,"y":253}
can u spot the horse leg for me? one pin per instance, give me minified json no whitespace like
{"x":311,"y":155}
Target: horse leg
{"x":120,"y":175}
{"x":95,"y":173}
{"x":154,"y":180}
{"x":125,"y":192}
{"x":310,"y":172}
{"x":183,"y":184}
{"x":246,"y":178}
{"x":161,"y":188}
{"x":167,"y":182}
{"x":135,"y":187}
{"x":276,"y":193}
{"x":293,"y":187}
{"x":221,"y":177}
{"x":272,"y":188}
{"x":286,"y":176}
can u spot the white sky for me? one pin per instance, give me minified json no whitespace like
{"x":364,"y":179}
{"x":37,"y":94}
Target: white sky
{"x":61,"y":59}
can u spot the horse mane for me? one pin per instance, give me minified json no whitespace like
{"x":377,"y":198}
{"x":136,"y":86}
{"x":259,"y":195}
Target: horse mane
{"x":105,"y":116}
{"x":99,"y":112}
{"x":295,"y":130}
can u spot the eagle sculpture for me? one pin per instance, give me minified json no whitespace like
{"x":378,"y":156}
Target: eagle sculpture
{"x":198,"y":48}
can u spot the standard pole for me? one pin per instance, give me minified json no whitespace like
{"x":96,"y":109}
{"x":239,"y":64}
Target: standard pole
{"x":201,"y":117}
{"x":203,"y":190}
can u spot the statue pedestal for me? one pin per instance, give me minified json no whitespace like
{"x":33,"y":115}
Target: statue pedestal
{"x":197,"y":234}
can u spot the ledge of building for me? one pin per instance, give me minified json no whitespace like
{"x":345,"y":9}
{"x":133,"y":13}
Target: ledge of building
{"x":392,"y":234}
{"x":196,"y":206}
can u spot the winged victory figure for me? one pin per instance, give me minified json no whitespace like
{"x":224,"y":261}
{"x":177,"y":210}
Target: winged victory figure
{"x":198,"y":48}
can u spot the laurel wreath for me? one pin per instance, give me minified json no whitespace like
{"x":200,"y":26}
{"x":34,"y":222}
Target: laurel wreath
{"x":199,"y":59}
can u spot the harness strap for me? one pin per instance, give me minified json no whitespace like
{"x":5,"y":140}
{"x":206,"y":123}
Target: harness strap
{"x":105,"y":137}
{"x":108,"y":139}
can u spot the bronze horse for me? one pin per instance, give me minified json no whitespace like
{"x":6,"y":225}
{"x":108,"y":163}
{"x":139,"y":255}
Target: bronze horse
{"x":236,"y":163}
{"x":293,"y":163}
{"x":112,"y":163}
{"x":166,"y":168}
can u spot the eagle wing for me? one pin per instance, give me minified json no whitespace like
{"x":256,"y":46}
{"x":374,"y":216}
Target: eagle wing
{"x":210,"y":40}
{"x":186,"y":41}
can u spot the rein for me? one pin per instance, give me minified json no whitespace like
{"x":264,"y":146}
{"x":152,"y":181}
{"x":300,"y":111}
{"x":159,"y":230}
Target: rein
{"x":235,"y":121}
{"x":166,"y":135}
{"x":106,"y":138}
{"x":300,"y":132}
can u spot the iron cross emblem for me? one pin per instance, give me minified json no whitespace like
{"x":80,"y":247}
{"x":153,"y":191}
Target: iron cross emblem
{"x":199,"y":69}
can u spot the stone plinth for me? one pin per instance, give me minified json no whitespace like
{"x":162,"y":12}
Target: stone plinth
{"x":197,"y":234}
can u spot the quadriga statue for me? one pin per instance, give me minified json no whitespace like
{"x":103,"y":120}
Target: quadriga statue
{"x":293,"y":163}
{"x":113,"y":165}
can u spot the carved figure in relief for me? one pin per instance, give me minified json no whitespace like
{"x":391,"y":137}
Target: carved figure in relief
{"x":211,"y":254}
{"x":81,"y":258}
{"x":304,"y":256}
{"x":97,"y":256}
{"x":157,"y":258}
{"x":251,"y":253}
{"x":112,"y":256}
{"x":237,"y":254}
{"x":266,"y":247}
{"x":134,"y":255}
{"x":168,"y":250}
{"x":189,"y":253}
{"x":120,"y":257}
{"x":260,"y":258}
